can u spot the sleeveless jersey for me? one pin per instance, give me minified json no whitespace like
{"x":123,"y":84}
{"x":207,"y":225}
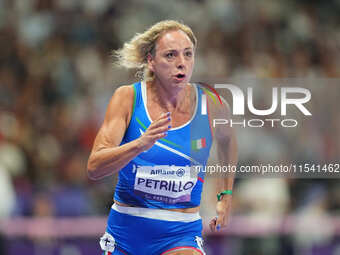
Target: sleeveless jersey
{"x":166,"y":176}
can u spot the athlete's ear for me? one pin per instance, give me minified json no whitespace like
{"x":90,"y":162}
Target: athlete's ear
{"x":150,"y":60}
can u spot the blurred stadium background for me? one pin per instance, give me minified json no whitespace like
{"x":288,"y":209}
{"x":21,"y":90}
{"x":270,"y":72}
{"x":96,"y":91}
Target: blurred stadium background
{"x":56,"y":77}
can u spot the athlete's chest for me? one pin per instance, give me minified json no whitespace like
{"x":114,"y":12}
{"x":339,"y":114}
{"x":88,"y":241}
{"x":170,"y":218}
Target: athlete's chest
{"x":181,"y":112}
{"x":179,"y":116}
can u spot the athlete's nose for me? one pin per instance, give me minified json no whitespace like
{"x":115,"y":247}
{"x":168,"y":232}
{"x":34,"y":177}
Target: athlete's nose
{"x":180,"y":62}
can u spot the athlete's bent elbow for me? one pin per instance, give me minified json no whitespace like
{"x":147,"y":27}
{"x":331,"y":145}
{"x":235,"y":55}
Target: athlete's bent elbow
{"x":95,"y":172}
{"x":92,"y":171}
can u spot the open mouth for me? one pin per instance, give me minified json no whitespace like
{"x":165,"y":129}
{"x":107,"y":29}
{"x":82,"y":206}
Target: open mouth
{"x":180,"y":76}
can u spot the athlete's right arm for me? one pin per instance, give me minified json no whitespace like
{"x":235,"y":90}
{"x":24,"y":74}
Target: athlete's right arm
{"x":107,"y":157}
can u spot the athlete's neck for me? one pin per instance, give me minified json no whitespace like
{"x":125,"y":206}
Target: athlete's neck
{"x":170,"y":98}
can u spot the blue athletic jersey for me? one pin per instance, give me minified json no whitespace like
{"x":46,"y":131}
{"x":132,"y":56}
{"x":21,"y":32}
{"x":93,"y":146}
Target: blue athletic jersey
{"x":161,"y":177}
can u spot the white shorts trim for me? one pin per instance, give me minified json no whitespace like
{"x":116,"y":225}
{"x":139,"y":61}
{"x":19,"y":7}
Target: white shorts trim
{"x":157,"y":214}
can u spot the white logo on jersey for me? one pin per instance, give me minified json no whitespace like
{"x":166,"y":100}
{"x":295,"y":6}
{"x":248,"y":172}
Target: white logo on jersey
{"x":107,"y":242}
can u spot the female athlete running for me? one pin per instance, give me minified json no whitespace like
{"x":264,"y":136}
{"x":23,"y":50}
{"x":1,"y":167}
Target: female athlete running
{"x":152,"y":136}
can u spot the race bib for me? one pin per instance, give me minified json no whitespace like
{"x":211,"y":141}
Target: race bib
{"x":169,"y":184}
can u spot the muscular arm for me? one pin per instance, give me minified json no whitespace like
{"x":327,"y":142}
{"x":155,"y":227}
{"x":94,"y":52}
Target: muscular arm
{"x":107,"y":157}
{"x":225,"y":139}
{"x":226,"y":148}
{"x":227,"y":155}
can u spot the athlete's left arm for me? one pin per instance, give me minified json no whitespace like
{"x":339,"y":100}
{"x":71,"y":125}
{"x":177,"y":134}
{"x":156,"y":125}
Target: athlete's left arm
{"x":226,"y":145}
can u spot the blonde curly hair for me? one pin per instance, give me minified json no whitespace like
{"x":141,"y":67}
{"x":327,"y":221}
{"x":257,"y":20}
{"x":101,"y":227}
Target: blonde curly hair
{"x":134,"y":53}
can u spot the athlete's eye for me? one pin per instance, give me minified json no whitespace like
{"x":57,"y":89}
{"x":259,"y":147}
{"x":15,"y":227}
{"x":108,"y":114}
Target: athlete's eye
{"x":188,"y":54}
{"x":170,"y":55}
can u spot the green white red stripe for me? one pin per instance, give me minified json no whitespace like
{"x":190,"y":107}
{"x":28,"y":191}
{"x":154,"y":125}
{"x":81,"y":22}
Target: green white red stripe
{"x":198,"y":144}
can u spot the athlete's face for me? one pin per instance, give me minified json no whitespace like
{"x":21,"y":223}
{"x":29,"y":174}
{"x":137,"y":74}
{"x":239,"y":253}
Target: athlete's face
{"x":173,"y":60}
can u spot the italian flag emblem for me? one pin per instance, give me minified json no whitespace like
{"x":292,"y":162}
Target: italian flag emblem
{"x":198,"y":144}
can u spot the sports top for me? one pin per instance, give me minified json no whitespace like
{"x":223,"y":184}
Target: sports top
{"x":167,"y":175}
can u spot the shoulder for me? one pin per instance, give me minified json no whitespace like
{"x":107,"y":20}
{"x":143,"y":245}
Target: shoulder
{"x":124,"y":91}
{"x":218,"y":106}
{"x":121,"y":101}
{"x":218,"y":109}
{"x":123,"y":94}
